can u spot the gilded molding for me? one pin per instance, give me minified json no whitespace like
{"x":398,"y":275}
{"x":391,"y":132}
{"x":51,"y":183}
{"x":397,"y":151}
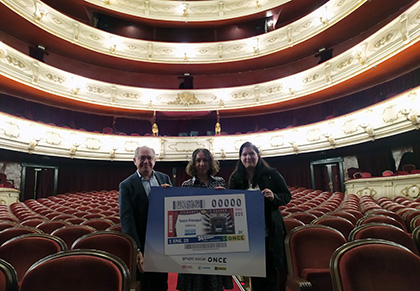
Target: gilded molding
{"x":188,"y":11}
{"x":102,"y":42}
{"x":412,"y":191}
{"x":38,"y":138}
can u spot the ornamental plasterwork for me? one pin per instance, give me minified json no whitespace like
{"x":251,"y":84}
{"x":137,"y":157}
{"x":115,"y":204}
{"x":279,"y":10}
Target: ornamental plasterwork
{"x":130,"y":146}
{"x":188,"y":11}
{"x":289,"y":88}
{"x":11,"y":129}
{"x":313,"y":135}
{"x":53,"y":138}
{"x":366,"y":192}
{"x":412,"y":191}
{"x":148,"y":51}
{"x":185,"y":146}
{"x":277,"y":141}
{"x":93,"y":143}
{"x":186,"y":99}
{"x":351,"y":126}
{"x":390,"y":114}
{"x":38,"y":138}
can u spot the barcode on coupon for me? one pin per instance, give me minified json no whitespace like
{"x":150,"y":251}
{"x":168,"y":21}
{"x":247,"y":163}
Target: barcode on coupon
{"x":205,"y":246}
{"x":188,"y":204}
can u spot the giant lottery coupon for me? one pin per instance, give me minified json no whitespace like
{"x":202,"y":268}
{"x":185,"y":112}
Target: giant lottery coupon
{"x":206,"y":224}
{"x":205,"y":231}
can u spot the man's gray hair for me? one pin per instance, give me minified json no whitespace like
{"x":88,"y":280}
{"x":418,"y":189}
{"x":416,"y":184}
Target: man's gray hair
{"x":138,"y":149}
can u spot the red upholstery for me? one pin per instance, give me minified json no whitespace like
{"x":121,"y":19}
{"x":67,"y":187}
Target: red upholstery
{"x":115,"y":227}
{"x":93,"y":216}
{"x":372,"y":265}
{"x":387,"y":213}
{"x":76,"y":220}
{"x":291,"y":223}
{"x":380,"y":219}
{"x":99,"y":223}
{"x":415,"y":222}
{"x":308,"y":252}
{"x":409,"y":215}
{"x":304,"y":217}
{"x":384,"y":231}
{"x":347,"y":215}
{"x":339,"y":223}
{"x":416,"y":237}
{"x":70,"y":233}
{"x":8,"y":277}
{"x":27,"y":249}
{"x":33,"y":222}
{"x":50,"y":226}
{"x":9,"y":233}
{"x":77,"y":270}
{"x":116,"y":243}
{"x":8,"y":224}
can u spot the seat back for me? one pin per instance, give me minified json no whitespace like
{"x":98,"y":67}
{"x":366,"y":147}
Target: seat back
{"x":341,"y":224}
{"x":50,"y":226}
{"x":114,"y":242}
{"x":383,"y":231}
{"x":8,"y":276}
{"x":308,"y":252}
{"x":291,"y":223}
{"x":70,"y":233}
{"x":8,"y":224}
{"x":416,"y":237}
{"x":381,"y":219}
{"x":98,"y":223}
{"x":24,"y":250}
{"x":305,"y":217}
{"x":9,"y":233}
{"x":33,"y":222}
{"x":91,"y":270}
{"x":374,"y":264}
{"x":345,"y":214}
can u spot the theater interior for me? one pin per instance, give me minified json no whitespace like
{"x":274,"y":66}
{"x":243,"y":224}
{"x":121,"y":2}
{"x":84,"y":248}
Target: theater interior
{"x":329,"y":92}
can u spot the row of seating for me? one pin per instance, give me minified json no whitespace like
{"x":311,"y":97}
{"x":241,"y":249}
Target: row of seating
{"x":24,"y":252}
{"x":308,"y":208}
{"x":69,"y":270}
{"x":322,"y":226}
{"x":315,"y":260}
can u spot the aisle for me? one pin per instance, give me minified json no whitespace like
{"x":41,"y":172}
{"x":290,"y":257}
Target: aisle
{"x":172,"y":283}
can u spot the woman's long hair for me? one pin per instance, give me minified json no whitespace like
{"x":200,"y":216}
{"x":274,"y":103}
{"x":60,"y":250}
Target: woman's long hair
{"x":214,"y":166}
{"x":240,"y":169}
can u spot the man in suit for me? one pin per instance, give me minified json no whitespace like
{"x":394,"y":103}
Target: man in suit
{"x":134,"y":205}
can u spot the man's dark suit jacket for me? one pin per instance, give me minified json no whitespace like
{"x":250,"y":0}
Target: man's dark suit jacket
{"x":134,"y":206}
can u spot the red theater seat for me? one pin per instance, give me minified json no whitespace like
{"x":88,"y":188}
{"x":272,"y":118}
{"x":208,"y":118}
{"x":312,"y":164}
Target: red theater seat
{"x":116,"y":243}
{"x":371,"y":265}
{"x":308,"y":252}
{"x":291,"y":223}
{"x":303,"y":216}
{"x":25,"y":250}
{"x":78,"y":270}
{"x":98,"y":223}
{"x":50,"y":226}
{"x":8,"y":277}
{"x":70,"y":233}
{"x":10,"y":233}
{"x":384,"y":231}
{"x":341,"y":224}
{"x":380,"y":219}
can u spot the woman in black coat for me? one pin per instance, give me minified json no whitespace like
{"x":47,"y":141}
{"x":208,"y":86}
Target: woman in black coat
{"x":253,"y":173}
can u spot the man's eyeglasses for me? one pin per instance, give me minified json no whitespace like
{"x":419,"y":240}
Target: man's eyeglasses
{"x":143,"y":158}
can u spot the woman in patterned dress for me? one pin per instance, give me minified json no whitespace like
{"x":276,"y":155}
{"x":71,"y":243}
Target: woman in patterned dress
{"x":202,"y":168}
